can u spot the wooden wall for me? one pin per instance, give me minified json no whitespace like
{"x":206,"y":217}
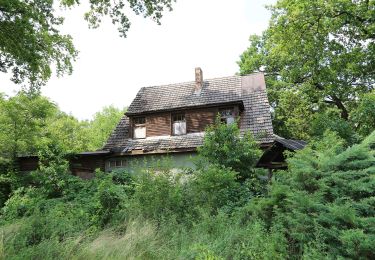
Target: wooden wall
{"x":158,"y":124}
{"x":198,"y":120}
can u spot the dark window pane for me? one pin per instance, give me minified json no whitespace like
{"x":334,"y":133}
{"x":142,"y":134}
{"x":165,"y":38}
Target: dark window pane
{"x":139,"y":120}
{"x":178,"y":117}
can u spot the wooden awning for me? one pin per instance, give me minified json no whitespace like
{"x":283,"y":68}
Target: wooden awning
{"x":273,"y":157}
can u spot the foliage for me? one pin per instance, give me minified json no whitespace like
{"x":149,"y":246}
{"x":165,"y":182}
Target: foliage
{"x":102,"y":125}
{"x":325,"y":202}
{"x":321,"y":208}
{"x":322,"y":51}
{"x":22,"y":119}
{"x":225,"y":145}
{"x":30,"y":37}
{"x":364,"y":115}
{"x":30,"y":123}
{"x":214,"y":188}
{"x":67,"y":132}
{"x":329,"y":120}
{"x":30,"y":40}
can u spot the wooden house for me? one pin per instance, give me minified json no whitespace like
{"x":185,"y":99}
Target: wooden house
{"x":171,"y":119}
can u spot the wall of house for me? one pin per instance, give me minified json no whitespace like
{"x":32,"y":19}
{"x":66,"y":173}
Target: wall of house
{"x":85,"y":166}
{"x":158,"y":124}
{"x":196,"y":121}
{"x":138,"y":162}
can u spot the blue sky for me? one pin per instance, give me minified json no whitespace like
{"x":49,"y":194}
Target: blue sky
{"x":210,"y":34}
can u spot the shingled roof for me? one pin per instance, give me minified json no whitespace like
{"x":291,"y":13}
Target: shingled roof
{"x":182,"y":95}
{"x":249,"y":89}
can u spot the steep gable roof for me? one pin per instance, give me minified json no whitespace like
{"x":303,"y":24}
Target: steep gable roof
{"x":250,"y":90}
{"x":182,"y":95}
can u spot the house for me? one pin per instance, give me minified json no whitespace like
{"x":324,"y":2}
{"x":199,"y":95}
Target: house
{"x":171,"y":119}
{"x":168,"y":121}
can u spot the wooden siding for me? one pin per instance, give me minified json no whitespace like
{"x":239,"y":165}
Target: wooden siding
{"x":158,"y":124}
{"x":198,"y":120}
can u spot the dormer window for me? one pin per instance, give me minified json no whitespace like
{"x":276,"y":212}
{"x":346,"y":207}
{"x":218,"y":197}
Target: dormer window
{"x":179,"y":124}
{"x":227,"y":116}
{"x":139,"y":124}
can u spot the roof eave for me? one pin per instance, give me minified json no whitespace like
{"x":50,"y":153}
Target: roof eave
{"x":238,"y":102}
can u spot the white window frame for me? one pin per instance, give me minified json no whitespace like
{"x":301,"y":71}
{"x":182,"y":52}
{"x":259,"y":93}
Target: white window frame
{"x":139,"y":127}
{"x":179,"y":122}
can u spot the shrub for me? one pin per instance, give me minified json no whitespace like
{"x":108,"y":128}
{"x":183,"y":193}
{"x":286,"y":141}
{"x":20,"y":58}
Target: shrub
{"x":158,"y":194}
{"x":326,"y":202}
{"x":5,"y":189}
{"x":224,"y":145}
{"x":214,"y":187}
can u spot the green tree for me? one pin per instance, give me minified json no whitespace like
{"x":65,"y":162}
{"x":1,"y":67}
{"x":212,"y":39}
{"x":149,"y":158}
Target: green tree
{"x":225,"y":146}
{"x":364,"y":114}
{"x":102,"y":125}
{"x":68,"y":132}
{"x":22,"y":119}
{"x":30,"y":122}
{"x":322,"y":50}
{"x":325,"y":202}
{"x":30,"y":37}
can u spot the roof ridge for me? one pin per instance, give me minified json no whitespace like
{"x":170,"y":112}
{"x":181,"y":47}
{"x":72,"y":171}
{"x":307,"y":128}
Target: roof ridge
{"x":192,"y":81}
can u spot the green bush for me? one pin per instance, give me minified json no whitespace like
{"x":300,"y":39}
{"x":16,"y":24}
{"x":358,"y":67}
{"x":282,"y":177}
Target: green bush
{"x":5,"y":189}
{"x":322,"y":207}
{"x":325,"y":203}
{"x":158,"y":194}
{"x":224,"y":145}
{"x":214,"y":188}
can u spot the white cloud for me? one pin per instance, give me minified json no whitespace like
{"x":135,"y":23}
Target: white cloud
{"x":110,"y":70}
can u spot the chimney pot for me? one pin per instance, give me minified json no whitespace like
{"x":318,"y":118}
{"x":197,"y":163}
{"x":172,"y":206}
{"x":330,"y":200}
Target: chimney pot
{"x":198,"y":80}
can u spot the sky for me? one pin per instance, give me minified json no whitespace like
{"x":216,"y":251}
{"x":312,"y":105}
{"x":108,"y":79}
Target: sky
{"x":110,"y":70}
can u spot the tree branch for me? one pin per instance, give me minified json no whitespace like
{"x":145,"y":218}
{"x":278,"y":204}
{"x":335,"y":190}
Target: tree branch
{"x":340,"y":105}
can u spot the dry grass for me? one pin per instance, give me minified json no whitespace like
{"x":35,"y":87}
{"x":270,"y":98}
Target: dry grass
{"x":139,"y":241}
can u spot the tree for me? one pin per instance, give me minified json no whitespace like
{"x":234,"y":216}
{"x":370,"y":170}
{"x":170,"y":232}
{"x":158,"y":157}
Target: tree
{"x":30,"y":37}
{"x":223,"y":145}
{"x":325,"y":202}
{"x":102,"y":126}
{"x":22,"y":119}
{"x":322,"y":50}
{"x":66,"y":132}
{"x":364,"y":114}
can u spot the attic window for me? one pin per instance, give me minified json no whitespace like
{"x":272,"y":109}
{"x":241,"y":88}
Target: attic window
{"x":139,"y":127}
{"x":227,"y":116}
{"x":179,"y":124}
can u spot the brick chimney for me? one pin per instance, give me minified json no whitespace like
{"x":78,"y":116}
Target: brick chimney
{"x":198,"y":80}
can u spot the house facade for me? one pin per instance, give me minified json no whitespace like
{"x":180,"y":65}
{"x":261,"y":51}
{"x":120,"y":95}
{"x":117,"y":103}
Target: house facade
{"x":170,"y":120}
{"x":167,"y":123}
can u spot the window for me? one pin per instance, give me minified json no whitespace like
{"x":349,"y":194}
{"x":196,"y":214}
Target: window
{"x":227,"y":116}
{"x":139,"y":127}
{"x":179,"y":124}
{"x":116,"y":163}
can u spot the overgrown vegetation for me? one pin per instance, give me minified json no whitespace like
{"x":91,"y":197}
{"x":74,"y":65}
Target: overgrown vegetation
{"x":319,"y":61}
{"x":322,"y":207}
